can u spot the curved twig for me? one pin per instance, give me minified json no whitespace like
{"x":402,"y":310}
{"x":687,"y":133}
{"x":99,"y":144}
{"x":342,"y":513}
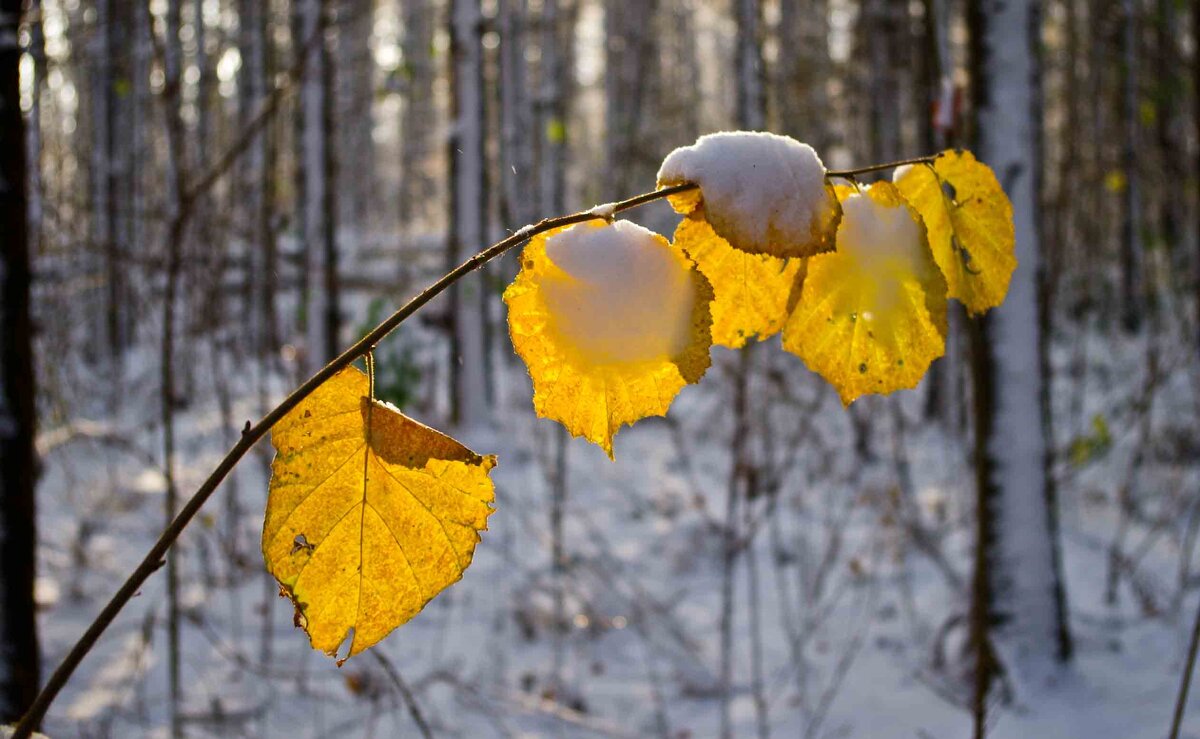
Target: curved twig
{"x":251,"y":434}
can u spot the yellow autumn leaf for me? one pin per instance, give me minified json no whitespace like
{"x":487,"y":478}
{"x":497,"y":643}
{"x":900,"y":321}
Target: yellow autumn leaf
{"x":612,"y":321}
{"x":370,"y":514}
{"x":819,"y":239}
{"x":750,"y":291}
{"x":871,"y":315}
{"x":969,"y":221}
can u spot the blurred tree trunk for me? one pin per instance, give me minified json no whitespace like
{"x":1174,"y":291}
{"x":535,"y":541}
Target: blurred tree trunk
{"x":1132,"y":302}
{"x":299,"y":28}
{"x":553,"y":104}
{"x":468,"y":212}
{"x":516,"y":172}
{"x":119,"y":173}
{"x":631,"y":49}
{"x":882,"y":48}
{"x":748,"y":61}
{"x":19,"y":657}
{"x":356,"y":102}
{"x":516,"y":202}
{"x":1195,"y":8}
{"x":252,"y":168}
{"x":101,"y":170}
{"x":925,"y":45}
{"x":177,"y":208}
{"x":328,"y":190}
{"x":1168,"y":88}
{"x":801,"y":75}
{"x":323,"y":310}
{"x":205,"y":300}
{"x":1018,"y":607}
{"x":268,"y":338}
{"x":419,"y":118}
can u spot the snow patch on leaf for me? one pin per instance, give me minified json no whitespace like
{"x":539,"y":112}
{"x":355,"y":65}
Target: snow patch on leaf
{"x":763,"y":193}
{"x":612,"y":322}
{"x":883,"y":241}
{"x":619,"y":294}
{"x":871,"y":315}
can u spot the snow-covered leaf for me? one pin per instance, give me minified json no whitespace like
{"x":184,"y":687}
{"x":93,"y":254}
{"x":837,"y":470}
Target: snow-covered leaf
{"x":612,"y":321}
{"x":763,"y":193}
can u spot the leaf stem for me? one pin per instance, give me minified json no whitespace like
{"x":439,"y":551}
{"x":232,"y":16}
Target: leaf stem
{"x":849,"y":174}
{"x":251,"y":434}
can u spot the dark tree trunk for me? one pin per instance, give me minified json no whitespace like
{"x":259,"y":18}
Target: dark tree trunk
{"x":19,"y":658}
{"x":333,"y":302}
{"x":1131,"y":249}
{"x":1196,"y":123}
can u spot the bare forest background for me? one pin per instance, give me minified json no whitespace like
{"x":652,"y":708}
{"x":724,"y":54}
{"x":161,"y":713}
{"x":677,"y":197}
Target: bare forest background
{"x":220,"y":195}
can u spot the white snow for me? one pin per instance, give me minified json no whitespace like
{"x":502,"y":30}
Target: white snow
{"x":623,"y":297}
{"x":851,"y":612}
{"x":605,"y":211}
{"x":883,"y":239}
{"x":759,"y":188}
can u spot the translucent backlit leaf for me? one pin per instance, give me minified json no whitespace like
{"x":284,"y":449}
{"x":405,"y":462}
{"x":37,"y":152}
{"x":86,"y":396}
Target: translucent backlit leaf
{"x":750,"y":291}
{"x":969,"y":221}
{"x":612,"y":321}
{"x":370,"y":514}
{"x":872,"y":315}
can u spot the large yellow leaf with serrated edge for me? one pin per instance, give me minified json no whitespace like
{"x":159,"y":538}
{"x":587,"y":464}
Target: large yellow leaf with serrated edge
{"x":370,"y":514}
{"x":969,"y":220}
{"x":593,"y":388}
{"x":871,"y":315}
{"x":750,"y":291}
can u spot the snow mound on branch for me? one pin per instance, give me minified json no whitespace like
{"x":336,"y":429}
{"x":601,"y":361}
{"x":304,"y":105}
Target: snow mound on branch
{"x":755,"y":185}
{"x":884,"y":241}
{"x":622,"y":296}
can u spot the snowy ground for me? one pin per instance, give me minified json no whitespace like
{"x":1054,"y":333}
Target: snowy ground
{"x":845,"y":625}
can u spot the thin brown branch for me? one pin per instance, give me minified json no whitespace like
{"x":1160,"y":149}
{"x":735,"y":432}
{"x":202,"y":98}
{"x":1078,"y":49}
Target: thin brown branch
{"x":850,"y":174}
{"x":253,"y":433}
